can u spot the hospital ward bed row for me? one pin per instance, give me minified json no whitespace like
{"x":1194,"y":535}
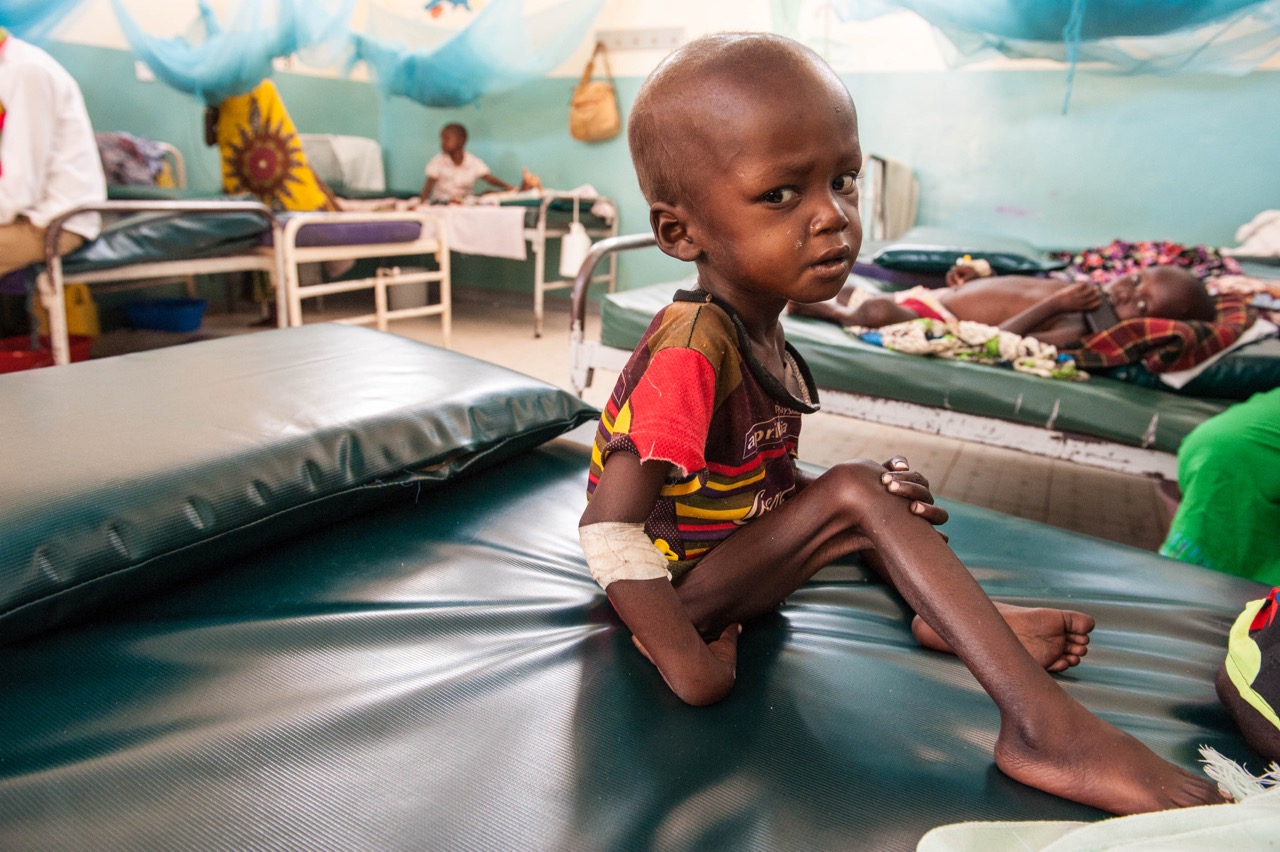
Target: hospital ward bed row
{"x":375,"y":629}
{"x":1103,"y":422}
{"x":167,"y":239}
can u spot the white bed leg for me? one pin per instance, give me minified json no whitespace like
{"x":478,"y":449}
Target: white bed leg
{"x":49,"y":291}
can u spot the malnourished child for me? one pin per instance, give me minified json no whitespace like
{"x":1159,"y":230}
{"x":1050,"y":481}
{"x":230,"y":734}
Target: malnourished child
{"x":746,"y":148}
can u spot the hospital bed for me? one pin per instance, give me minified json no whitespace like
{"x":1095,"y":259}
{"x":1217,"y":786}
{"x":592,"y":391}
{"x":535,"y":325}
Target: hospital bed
{"x":326,"y":237}
{"x":321,"y":587}
{"x":159,"y":240}
{"x":1102,"y":422}
{"x":555,"y":212}
{"x":548,"y":216}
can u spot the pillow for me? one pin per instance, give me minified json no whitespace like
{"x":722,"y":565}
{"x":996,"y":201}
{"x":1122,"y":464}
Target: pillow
{"x":125,"y":474}
{"x":1238,"y":375}
{"x":936,"y":250}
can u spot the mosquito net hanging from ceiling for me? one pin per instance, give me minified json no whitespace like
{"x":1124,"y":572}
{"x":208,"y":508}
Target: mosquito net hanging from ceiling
{"x":232,"y":59}
{"x":1130,"y":36}
{"x":34,"y":20}
{"x":502,"y":47}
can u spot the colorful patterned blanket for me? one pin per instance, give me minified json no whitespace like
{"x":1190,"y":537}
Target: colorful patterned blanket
{"x":1122,"y":257}
{"x":1163,"y":345}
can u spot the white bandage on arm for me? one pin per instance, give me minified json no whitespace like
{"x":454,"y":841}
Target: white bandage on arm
{"x":618,"y":551}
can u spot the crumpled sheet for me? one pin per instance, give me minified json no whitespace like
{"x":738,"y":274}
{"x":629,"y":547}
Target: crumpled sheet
{"x":977,"y":342}
{"x":1251,"y":824}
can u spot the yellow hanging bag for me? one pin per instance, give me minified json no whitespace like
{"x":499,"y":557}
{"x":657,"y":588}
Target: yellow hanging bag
{"x":593,"y":111}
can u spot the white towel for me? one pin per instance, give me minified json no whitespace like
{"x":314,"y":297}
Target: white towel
{"x":1259,"y":237}
{"x":1251,"y":824}
{"x":482,"y":229}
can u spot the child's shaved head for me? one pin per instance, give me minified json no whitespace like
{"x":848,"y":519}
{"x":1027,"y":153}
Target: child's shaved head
{"x":674,"y":115}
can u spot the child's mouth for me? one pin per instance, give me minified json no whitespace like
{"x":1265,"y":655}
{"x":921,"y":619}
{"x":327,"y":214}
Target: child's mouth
{"x":832,"y":260}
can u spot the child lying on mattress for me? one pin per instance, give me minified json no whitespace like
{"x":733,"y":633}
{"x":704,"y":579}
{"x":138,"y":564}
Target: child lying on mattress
{"x":746,"y":148}
{"x":1047,"y":309}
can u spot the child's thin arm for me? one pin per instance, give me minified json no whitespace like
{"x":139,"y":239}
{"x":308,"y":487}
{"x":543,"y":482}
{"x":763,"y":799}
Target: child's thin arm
{"x":697,"y":671}
{"x":427,"y":185}
{"x":494,"y":180}
{"x":1069,"y":299}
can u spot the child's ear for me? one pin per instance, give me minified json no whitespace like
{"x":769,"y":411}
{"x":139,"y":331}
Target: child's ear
{"x":673,"y":237}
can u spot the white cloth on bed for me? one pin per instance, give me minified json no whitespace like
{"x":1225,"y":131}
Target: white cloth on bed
{"x":1251,"y":824}
{"x":1259,"y":237}
{"x":49,"y":159}
{"x":350,"y":162}
{"x":481,"y":229}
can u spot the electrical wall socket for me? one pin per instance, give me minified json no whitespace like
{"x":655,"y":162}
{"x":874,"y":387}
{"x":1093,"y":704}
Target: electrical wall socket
{"x":658,"y":38}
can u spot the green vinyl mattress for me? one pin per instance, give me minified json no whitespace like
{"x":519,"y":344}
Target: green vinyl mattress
{"x":1100,"y":408}
{"x":435,"y":668}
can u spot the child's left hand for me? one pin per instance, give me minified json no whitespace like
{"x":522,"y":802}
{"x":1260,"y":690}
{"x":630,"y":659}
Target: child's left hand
{"x":910,"y":485}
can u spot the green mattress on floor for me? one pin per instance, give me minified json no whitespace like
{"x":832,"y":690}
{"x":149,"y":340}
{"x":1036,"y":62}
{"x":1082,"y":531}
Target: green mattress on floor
{"x":435,"y":668}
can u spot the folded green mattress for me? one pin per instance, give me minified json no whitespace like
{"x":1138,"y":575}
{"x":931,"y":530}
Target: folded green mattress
{"x":436,"y":669}
{"x":1100,"y":408}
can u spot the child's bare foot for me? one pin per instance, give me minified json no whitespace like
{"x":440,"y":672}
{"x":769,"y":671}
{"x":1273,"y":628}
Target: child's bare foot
{"x":1055,"y":638}
{"x":1077,"y":756}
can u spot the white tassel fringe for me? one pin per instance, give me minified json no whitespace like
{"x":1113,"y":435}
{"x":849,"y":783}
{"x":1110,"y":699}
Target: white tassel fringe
{"x":1235,"y":780}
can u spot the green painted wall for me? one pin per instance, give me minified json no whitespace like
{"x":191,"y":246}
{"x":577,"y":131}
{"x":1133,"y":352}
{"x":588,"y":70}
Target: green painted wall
{"x":1185,"y":158}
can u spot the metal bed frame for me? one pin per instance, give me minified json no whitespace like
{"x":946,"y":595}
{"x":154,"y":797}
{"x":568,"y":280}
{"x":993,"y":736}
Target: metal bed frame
{"x":537,"y":239}
{"x":587,"y":356}
{"x":51,"y":285}
{"x":431,"y":240}
{"x":279,"y":261}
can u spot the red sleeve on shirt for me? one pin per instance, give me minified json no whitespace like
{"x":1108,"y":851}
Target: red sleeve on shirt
{"x":671,"y":409}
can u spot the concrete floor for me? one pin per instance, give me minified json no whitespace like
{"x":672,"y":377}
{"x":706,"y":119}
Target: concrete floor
{"x":498,"y":327}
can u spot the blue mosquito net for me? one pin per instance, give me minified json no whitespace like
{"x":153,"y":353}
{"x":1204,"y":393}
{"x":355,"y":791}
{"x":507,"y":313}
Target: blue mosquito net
{"x":1128,"y":36}
{"x":34,"y":20}
{"x":1135,"y":36}
{"x":232,"y":59}
{"x":500,"y":49}
{"x":502,"y":46}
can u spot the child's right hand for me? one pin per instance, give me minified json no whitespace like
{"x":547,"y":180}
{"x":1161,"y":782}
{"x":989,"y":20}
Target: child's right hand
{"x":1077,"y":297}
{"x":904,"y":482}
{"x":718,"y":673}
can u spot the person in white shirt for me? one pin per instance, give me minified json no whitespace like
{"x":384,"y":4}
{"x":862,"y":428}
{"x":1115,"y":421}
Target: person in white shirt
{"x":49,"y":160}
{"x":452,"y":174}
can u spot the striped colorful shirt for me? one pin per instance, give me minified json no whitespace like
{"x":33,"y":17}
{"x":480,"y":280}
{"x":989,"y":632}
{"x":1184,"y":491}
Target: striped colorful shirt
{"x":692,"y":395}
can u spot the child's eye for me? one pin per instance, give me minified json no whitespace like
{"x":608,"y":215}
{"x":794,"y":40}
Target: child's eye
{"x":846,"y":183}
{"x":778,"y":196}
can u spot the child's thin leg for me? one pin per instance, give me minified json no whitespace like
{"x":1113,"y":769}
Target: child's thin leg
{"x":1055,"y":638}
{"x":1047,"y":739}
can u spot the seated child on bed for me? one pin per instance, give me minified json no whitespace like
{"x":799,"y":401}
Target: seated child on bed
{"x":1047,"y":309}
{"x":452,"y":174}
{"x":698,"y":520}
